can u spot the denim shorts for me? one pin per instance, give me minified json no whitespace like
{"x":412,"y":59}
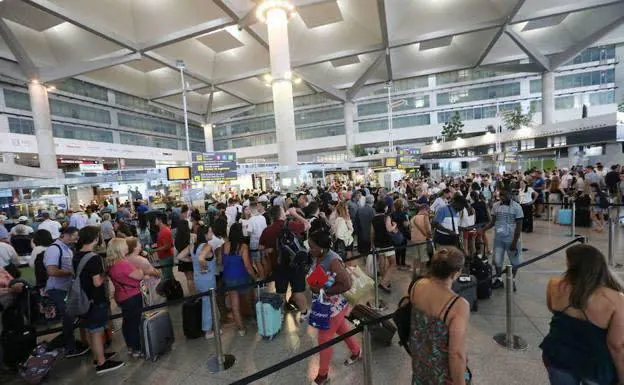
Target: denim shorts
{"x":96,"y":319}
{"x":502,"y":247}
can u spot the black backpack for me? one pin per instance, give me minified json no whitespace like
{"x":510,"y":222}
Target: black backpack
{"x":604,"y":201}
{"x":290,"y":249}
{"x":403,"y":318}
{"x":41,"y":273}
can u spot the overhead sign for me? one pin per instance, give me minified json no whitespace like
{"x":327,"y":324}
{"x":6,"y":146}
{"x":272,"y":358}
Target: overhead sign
{"x":214,"y":166}
{"x":408,"y":158}
{"x":91,"y":167}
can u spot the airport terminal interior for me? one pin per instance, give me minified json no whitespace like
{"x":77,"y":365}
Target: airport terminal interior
{"x":205,"y":191}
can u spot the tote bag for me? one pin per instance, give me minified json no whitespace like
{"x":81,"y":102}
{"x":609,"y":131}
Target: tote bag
{"x":320,"y":313}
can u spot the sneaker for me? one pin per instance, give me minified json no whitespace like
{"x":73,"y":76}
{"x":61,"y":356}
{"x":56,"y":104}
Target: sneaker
{"x":353,"y":359}
{"x":108,"y":356}
{"x":321,"y":380}
{"x":385,"y":288}
{"x":242,"y":332}
{"x":79,"y":351}
{"x":137,"y":354}
{"x":497,"y":284}
{"x":108,"y":366}
{"x":209,"y":335}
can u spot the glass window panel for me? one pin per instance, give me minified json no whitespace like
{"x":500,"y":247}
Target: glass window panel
{"x":21,"y":126}
{"x":319,"y":132}
{"x":372,"y":108}
{"x":481,"y":93}
{"x":564,"y":102}
{"x":466,"y":75}
{"x":81,"y":133}
{"x":248,"y":126}
{"x":137,"y":103}
{"x":147,"y":124}
{"x":310,"y":100}
{"x":221,"y":145}
{"x":198,"y":146}
{"x":16,"y":99}
{"x":316,"y":116}
{"x":77,"y":111}
{"x":78,"y":87}
{"x":219,"y":131}
{"x":585,"y":79}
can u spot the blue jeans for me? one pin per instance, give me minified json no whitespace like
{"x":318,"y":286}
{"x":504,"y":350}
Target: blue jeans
{"x":502,"y":246}
{"x":204,"y":282}
{"x":132,"y":321}
{"x":58,"y":296}
{"x":563,"y":377}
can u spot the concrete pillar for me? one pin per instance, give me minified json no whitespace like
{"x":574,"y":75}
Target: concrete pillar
{"x":43,"y":127}
{"x":349,"y":128}
{"x":548,"y":97}
{"x":208,"y":137}
{"x":283,"y":108}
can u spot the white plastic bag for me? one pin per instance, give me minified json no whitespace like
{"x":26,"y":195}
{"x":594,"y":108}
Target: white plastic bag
{"x":361,"y":286}
{"x":370,"y":266}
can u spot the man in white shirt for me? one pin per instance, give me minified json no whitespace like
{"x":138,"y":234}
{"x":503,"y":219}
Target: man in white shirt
{"x":257,"y":224}
{"x":441,"y":201}
{"x":7,"y":254}
{"x":565,"y":179}
{"x":231,"y":212}
{"x":78,"y":220}
{"x":53,"y":227}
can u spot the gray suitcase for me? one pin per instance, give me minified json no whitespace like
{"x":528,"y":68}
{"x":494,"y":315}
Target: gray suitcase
{"x":466,"y":286}
{"x":156,"y":334}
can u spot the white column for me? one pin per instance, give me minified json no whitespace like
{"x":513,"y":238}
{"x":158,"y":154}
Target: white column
{"x":277,"y":26}
{"x":349,"y":128}
{"x":208,"y":137}
{"x":43,"y":127}
{"x":548,"y":97}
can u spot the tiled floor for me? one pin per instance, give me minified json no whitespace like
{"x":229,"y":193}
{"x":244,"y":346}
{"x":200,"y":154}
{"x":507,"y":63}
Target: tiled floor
{"x":491,"y":364}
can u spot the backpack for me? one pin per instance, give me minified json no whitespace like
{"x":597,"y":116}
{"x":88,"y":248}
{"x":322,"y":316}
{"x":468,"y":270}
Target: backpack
{"x":290,"y":248}
{"x":41,"y":272}
{"x":78,"y":303}
{"x":403,"y":318}
{"x":603,"y":202}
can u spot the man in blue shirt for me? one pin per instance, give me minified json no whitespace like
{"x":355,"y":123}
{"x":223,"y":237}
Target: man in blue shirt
{"x":4,"y":233}
{"x":58,"y":262}
{"x":507,"y":218}
{"x":538,"y":186}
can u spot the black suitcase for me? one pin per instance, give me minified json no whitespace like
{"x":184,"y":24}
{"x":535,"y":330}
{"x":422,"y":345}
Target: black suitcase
{"x":382,"y":332}
{"x":582,"y":217}
{"x":17,"y":346}
{"x":482,"y":270}
{"x":192,"y":318}
{"x":466,"y":286}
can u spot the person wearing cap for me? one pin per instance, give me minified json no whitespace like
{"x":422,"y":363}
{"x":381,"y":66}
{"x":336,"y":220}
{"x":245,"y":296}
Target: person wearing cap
{"x":53,"y":227}
{"x":22,"y":228}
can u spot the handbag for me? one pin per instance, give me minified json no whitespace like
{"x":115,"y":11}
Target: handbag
{"x":361,"y":285}
{"x":447,"y":238}
{"x":370,"y":265}
{"x":397,"y":238}
{"x":320,"y":313}
{"x":340,"y":248}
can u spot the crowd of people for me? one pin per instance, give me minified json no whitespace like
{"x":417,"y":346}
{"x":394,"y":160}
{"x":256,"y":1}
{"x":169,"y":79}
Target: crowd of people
{"x":239,"y":240}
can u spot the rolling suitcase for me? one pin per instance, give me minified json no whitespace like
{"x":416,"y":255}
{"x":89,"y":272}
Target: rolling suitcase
{"x":156,"y":333}
{"x":565,"y":217}
{"x":482,"y":270}
{"x":192,"y":318}
{"x":269,"y":314}
{"x":382,"y":332}
{"x":466,"y":286}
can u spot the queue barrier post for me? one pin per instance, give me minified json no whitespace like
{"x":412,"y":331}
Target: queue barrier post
{"x":573,"y":224}
{"x":220,"y":361}
{"x":508,"y":339}
{"x":376,"y":278}
{"x":611,"y":225}
{"x":368,"y":356}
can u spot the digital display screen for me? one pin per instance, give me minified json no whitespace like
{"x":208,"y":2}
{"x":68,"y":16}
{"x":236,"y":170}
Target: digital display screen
{"x":178,"y":173}
{"x":391,"y":162}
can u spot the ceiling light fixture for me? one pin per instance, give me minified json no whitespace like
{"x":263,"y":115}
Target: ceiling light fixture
{"x":265,"y":6}
{"x":297,"y":80}
{"x":51,"y":88}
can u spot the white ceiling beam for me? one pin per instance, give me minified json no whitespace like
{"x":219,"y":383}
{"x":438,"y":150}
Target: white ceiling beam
{"x":209,"y":106}
{"x":225,"y":8}
{"x":177,"y":91}
{"x":236,"y":95}
{"x":383,"y":25}
{"x":82,"y":22}
{"x":248,"y":20}
{"x":565,"y":56}
{"x":500,"y":31}
{"x":329,"y":89}
{"x":26,"y":64}
{"x":455,"y":31}
{"x":12,"y":70}
{"x":219,"y":117}
{"x":353,"y":92}
{"x":75,"y":69}
{"x":528,"y":49}
{"x":188,"y":33}
{"x":337,"y":56}
{"x":571,"y":7}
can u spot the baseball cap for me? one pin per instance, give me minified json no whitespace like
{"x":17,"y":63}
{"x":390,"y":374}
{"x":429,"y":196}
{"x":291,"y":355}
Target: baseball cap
{"x":3,"y":218}
{"x":23,"y":218}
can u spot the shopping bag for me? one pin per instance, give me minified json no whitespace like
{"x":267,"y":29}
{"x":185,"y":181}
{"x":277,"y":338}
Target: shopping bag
{"x":320,"y":313}
{"x":370,"y":265}
{"x":361,"y":285}
{"x":318,"y":277}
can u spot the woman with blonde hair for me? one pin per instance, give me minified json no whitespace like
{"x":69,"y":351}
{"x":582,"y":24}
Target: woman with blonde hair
{"x":342,"y":230}
{"x":555,"y":197}
{"x":127,"y":281}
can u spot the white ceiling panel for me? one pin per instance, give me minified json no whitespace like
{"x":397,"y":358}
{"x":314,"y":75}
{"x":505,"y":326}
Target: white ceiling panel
{"x":165,"y":80}
{"x":28,"y":16}
{"x":254,"y":88}
{"x":195,"y":102}
{"x":197,"y":57}
{"x":320,"y":14}
{"x":144,"y":65}
{"x":541,"y":8}
{"x":71,"y":44}
{"x":504,"y":50}
{"x":344,"y":76}
{"x":244,"y":61}
{"x":33,"y":42}
{"x":113,"y":15}
{"x":408,"y":20}
{"x":121,"y":78}
{"x":220,"y":41}
{"x":463,"y":52}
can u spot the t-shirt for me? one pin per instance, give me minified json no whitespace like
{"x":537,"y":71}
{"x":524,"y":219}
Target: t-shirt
{"x":53,"y":227}
{"x":94,"y":267}
{"x":51,"y":258}
{"x":78,"y":220}
{"x":108,"y":231}
{"x":257,"y":224}
{"x":164,"y":238}
{"x":437,"y":204}
{"x":4,"y":233}
{"x":506,"y":217}
{"x":7,"y":254}
{"x":363,"y":220}
{"x":125,"y":286}
{"x":537,"y":184}
{"x":142,"y":209}
{"x":448,"y":218}
{"x":526,"y":196}
{"x":268,"y":239}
